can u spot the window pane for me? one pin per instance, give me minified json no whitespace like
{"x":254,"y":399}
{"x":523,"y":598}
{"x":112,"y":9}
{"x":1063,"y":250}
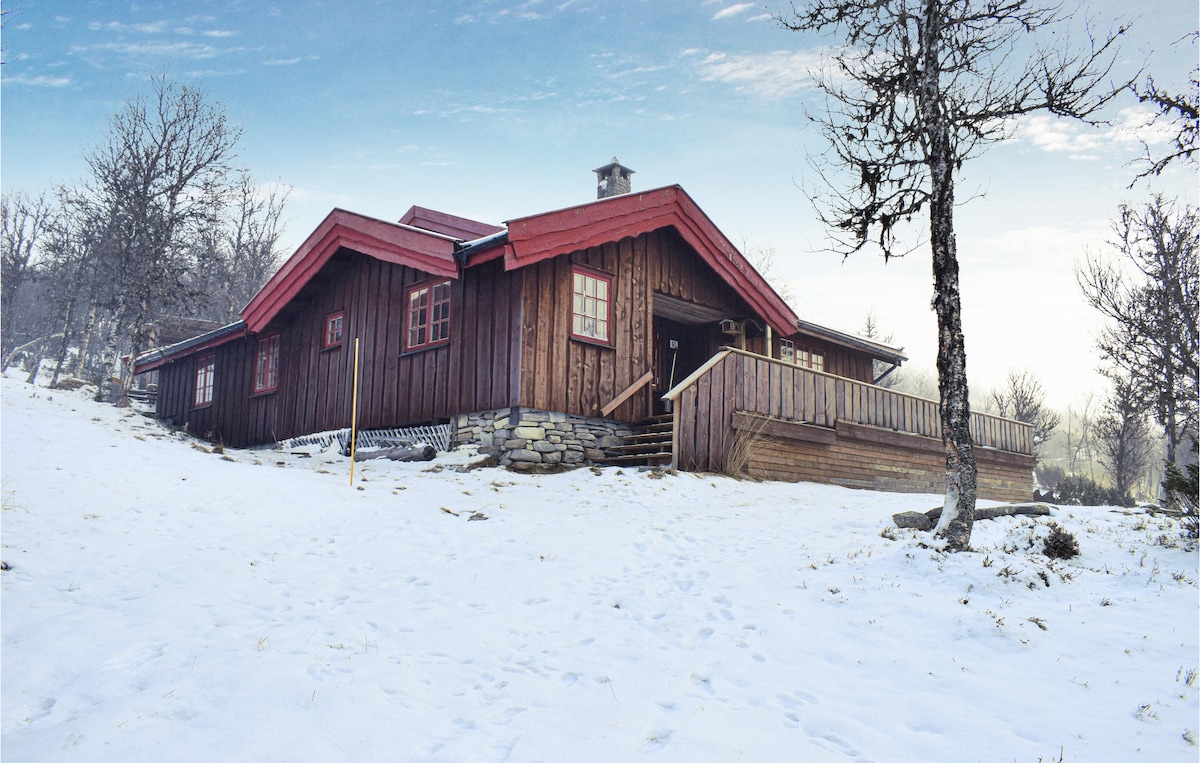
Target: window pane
{"x":589,"y":305}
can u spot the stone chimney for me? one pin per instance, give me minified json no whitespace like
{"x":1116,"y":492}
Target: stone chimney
{"x":612,"y":179}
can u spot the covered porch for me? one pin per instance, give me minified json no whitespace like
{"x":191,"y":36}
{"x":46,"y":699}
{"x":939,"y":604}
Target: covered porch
{"x":745,"y":413}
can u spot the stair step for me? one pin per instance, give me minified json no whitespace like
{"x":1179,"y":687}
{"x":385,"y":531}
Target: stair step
{"x":656,"y":458}
{"x":648,"y":437}
{"x":649,"y":428}
{"x":649,"y":443}
{"x":645,"y":447}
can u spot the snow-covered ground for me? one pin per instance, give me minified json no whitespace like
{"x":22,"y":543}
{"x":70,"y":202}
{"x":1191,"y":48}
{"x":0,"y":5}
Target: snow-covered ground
{"x":164,"y":602}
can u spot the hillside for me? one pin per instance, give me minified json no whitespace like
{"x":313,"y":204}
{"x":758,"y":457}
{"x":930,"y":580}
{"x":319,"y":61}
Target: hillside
{"x":164,"y":602}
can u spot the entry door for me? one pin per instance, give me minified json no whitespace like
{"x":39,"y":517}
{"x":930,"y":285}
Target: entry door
{"x":679,"y":349}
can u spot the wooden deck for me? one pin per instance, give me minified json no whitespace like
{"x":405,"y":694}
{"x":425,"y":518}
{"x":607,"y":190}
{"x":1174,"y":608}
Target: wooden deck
{"x":809,"y":425}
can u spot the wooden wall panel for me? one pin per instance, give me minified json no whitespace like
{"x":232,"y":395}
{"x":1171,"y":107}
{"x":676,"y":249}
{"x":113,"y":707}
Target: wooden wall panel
{"x":470,"y":373}
{"x":855,"y":446}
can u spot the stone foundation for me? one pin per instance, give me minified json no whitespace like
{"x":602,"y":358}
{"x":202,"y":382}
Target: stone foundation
{"x":529,"y":439}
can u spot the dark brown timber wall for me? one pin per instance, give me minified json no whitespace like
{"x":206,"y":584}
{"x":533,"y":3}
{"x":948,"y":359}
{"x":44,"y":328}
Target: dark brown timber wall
{"x":475,"y":370}
{"x":779,"y":421}
{"x":559,"y":373}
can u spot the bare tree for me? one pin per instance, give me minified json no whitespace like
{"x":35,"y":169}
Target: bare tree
{"x":1124,"y":438}
{"x":871,"y":330}
{"x":24,"y":221}
{"x":158,"y":178}
{"x":1178,"y":108}
{"x":765,"y":260}
{"x":919,"y":87}
{"x":238,"y":258}
{"x":1023,"y":398}
{"x":1151,"y":297}
{"x":1079,"y":434}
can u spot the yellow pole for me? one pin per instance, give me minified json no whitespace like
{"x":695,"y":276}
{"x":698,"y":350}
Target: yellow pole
{"x":354,"y":414}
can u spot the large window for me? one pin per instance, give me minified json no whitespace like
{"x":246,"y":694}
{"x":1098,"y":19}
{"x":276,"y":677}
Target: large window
{"x":428,"y":315}
{"x":334,"y":323}
{"x":590,"y":306}
{"x":266,"y":366}
{"x":205,"y":365}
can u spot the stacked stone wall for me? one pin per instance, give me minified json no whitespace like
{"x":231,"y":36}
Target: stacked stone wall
{"x":529,"y":439}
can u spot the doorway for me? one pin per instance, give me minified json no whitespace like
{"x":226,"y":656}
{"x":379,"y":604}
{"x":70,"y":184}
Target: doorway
{"x":679,"y":349}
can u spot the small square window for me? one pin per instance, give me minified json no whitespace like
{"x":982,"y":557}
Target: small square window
{"x":802,"y":356}
{"x":205,"y":366}
{"x":334,"y":323}
{"x":787,"y":351}
{"x":590,"y":306}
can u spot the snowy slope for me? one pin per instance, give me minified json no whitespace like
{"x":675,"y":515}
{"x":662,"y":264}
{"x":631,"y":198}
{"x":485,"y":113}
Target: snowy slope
{"x":168,"y":603}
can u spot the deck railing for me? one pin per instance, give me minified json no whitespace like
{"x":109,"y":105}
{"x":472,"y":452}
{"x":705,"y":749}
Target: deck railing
{"x":735,"y":380}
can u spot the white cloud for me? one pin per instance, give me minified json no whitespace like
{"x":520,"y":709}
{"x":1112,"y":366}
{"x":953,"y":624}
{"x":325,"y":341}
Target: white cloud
{"x":732,"y":10}
{"x":770,"y":75}
{"x":117,"y":26}
{"x":151,"y":49}
{"x":39,"y":80}
{"x":1081,"y":141}
{"x":289,"y":61}
{"x":219,"y":33}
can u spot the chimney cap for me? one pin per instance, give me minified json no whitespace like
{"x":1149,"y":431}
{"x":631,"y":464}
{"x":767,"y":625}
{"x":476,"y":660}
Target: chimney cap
{"x":614,"y":164}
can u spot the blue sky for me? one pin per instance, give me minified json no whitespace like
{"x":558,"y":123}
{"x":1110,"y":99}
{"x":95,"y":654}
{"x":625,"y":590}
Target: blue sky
{"x":500,"y":109}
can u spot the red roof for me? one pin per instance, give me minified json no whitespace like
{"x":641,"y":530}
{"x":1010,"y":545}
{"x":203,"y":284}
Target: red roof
{"x":450,"y":225}
{"x":529,"y":240}
{"x":532,"y":239}
{"x":390,"y":242}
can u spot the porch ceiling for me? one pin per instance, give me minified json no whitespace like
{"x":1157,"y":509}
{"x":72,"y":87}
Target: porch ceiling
{"x":682,"y":311}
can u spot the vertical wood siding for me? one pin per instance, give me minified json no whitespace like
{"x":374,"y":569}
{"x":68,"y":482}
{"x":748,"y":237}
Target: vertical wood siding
{"x":739,"y":381}
{"x":469,"y":373}
{"x":559,"y":373}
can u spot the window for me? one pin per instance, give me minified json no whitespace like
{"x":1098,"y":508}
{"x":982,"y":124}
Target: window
{"x":590,"y":306}
{"x":205,"y":365}
{"x":266,"y":366}
{"x":801,"y":356}
{"x":428,"y":315}
{"x":333,"y":330}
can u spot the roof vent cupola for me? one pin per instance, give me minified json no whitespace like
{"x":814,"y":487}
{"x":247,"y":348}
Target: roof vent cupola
{"x":612,"y":179}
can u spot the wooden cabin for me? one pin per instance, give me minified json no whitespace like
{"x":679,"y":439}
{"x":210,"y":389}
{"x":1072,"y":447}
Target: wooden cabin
{"x":547,"y":340}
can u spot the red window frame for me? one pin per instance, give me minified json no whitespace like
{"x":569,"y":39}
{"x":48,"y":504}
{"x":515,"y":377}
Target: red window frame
{"x":591,"y":308}
{"x":205,"y":367}
{"x":266,"y":364}
{"x":806,"y":357}
{"x":427,"y":315}
{"x":335,"y":327}
{"x":816,"y":360}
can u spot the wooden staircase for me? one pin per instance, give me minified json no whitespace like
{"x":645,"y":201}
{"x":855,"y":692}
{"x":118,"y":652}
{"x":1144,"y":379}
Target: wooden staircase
{"x":649,"y":445}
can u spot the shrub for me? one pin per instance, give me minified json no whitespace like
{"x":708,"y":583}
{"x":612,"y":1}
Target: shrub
{"x":1084,"y":491}
{"x":1060,"y":543}
{"x":1182,"y":492}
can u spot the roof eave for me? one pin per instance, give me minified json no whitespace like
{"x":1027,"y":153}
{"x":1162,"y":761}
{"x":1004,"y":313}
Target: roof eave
{"x":160,"y":356}
{"x":875,"y":349}
{"x":397,"y":243}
